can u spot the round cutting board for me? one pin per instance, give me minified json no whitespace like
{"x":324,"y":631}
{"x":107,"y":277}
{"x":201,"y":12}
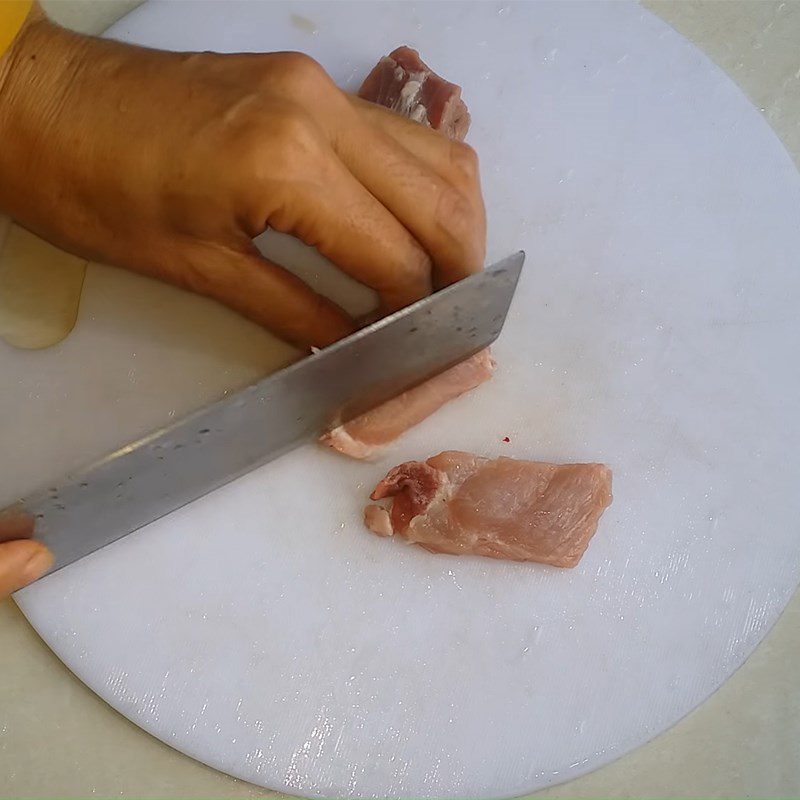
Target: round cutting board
{"x":263,"y":631}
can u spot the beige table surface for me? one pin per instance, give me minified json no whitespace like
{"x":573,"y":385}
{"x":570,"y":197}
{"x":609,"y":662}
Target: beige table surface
{"x":59,"y":739}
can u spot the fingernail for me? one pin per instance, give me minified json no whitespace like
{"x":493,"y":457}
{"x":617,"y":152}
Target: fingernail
{"x":37,"y":565}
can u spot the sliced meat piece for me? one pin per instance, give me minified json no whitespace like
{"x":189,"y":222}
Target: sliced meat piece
{"x":363,"y":436}
{"x":463,"y":504}
{"x":403,"y":83}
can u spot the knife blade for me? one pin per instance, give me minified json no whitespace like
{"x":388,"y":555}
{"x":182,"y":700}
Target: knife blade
{"x":163,"y":471}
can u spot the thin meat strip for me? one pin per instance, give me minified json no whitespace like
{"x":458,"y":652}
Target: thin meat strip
{"x":403,"y":83}
{"x":462,"y":504}
{"x":367,"y":434}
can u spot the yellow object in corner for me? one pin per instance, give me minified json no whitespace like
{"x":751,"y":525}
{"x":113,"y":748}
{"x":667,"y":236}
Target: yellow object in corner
{"x":12,"y":15}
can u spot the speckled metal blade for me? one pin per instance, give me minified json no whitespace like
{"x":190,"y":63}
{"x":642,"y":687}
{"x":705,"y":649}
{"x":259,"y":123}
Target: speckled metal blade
{"x":151,"y":477}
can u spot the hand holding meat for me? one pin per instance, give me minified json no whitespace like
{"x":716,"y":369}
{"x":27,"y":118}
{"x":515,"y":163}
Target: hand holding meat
{"x":169,"y":164}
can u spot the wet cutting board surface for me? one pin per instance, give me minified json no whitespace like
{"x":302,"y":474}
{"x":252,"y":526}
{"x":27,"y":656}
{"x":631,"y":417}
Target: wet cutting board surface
{"x":262,"y":631}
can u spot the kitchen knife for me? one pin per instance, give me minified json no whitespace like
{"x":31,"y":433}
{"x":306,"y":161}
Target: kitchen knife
{"x":148,"y":478}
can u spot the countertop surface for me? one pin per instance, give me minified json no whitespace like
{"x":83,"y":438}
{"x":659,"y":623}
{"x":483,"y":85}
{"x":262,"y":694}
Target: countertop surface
{"x":58,"y":738}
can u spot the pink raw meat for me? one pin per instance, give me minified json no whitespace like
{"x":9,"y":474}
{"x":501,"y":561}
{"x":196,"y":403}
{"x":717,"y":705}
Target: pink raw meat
{"x":403,"y":83}
{"x":463,"y":504}
{"x":364,"y":435}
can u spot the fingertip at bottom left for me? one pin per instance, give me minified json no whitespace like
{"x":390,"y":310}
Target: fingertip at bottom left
{"x":39,"y":561}
{"x":22,"y":562}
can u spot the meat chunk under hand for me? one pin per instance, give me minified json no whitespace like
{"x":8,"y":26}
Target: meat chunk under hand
{"x":463,"y":504}
{"x":368,"y":433}
{"x":402,"y":82}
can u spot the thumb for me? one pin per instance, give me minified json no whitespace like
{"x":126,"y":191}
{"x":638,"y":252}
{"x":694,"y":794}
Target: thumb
{"x":21,"y":562}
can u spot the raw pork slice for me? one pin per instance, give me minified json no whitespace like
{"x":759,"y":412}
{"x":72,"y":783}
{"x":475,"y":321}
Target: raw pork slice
{"x":403,"y":83}
{"x":463,"y":504}
{"x":363,"y":436}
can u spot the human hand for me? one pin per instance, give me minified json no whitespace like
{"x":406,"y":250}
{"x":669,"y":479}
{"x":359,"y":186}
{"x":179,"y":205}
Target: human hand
{"x":169,"y":164}
{"x":22,"y":560}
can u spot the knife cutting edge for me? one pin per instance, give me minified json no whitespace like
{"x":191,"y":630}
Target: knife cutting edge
{"x":163,"y":471}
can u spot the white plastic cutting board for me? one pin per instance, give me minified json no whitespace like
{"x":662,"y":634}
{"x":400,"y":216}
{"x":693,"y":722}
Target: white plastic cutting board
{"x":262,"y":631}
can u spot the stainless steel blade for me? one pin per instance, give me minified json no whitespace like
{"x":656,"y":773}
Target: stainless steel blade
{"x":148,"y":478}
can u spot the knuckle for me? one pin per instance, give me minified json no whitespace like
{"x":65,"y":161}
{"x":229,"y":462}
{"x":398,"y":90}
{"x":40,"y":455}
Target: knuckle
{"x":414,"y":271}
{"x":192,"y":271}
{"x":197,"y":280}
{"x":460,"y":211}
{"x":406,"y":273}
{"x":301,"y":73}
{"x":464,"y":223}
{"x":465,"y":161}
{"x":296,"y":150}
{"x":293,"y":124}
{"x":275,"y":145}
{"x":245,"y":164}
{"x":268,"y":161}
{"x":295,"y":136}
{"x":456,"y":214}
